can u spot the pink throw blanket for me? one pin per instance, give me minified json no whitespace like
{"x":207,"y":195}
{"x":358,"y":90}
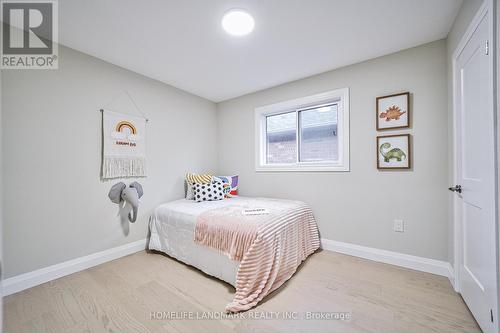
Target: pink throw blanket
{"x":270,"y":247}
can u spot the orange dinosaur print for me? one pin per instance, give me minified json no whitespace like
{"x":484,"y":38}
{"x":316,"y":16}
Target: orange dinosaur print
{"x":392,"y":113}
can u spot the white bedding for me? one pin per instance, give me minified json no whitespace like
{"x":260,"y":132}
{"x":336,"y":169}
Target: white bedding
{"x":172,"y":232}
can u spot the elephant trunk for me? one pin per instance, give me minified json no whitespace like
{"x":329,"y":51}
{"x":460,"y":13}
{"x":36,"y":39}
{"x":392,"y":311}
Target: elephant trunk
{"x":132,"y":216}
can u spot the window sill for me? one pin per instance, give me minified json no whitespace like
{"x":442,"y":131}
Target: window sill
{"x":302,"y":168}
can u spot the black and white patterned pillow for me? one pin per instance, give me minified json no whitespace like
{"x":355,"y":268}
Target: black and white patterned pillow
{"x":208,"y":192}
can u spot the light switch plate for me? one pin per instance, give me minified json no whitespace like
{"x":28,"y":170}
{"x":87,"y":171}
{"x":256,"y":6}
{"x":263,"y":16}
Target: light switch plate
{"x":399,"y":226}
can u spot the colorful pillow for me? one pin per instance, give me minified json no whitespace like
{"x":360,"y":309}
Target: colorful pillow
{"x":230,"y":184}
{"x":208,"y":192}
{"x":192,"y":178}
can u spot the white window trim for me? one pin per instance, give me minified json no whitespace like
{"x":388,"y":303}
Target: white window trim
{"x":339,"y":95}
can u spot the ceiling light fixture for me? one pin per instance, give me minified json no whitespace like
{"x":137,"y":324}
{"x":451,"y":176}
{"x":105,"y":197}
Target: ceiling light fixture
{"x":238,"y":22}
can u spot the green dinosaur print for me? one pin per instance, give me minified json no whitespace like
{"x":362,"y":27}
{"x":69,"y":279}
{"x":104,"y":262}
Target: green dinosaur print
{"x":396,"y":153}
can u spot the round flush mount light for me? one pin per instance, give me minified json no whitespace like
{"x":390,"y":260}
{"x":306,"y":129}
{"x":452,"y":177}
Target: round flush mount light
{"x":238,"y":22}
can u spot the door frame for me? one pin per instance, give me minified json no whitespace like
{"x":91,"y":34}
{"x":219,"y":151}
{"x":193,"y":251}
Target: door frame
{"x":487,"y":9}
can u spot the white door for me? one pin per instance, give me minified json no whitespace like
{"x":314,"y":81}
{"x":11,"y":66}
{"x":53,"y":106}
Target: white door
{"x":476,"y":176}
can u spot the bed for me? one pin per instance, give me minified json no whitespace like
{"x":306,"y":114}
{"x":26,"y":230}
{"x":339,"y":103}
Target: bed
{"x":257,"y":260}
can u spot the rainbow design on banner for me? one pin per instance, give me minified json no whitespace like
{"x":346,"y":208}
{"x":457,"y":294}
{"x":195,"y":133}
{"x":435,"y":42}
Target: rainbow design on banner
{"x":122,"y":125}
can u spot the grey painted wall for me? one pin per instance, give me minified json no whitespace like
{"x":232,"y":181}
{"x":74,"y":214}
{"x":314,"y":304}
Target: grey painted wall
{"x":1,"y":204}
{"x":497,"y":73}
{"x":462,"y":21}
{"x":55,"y":206}
{"x":359,"y":206}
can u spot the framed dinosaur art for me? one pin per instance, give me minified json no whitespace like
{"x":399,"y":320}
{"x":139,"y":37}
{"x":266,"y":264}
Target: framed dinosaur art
{"x":393,"y":152}
{"x":393,"y":111}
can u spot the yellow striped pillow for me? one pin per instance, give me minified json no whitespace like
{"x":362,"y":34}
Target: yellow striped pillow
{"x":193,"y":178}
{"x":202,"y":178}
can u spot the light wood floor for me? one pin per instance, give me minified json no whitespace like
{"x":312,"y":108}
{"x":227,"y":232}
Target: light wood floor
{"x":120,"y":296}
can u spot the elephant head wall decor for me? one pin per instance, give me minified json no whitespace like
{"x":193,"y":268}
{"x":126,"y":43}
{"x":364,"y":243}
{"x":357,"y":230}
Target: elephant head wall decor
{"x":130,"y":194}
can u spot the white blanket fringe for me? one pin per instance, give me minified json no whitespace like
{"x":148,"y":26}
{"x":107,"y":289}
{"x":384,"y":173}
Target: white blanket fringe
{"x":118,"y":167}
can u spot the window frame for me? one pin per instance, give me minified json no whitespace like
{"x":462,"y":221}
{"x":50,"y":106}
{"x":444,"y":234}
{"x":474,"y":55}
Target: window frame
{"x":339,"y":97}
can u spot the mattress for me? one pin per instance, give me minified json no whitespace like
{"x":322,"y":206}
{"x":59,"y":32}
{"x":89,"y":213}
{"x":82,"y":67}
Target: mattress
{"x":172,"y":232}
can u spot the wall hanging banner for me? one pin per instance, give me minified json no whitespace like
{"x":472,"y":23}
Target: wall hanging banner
{"x":124,"y":146}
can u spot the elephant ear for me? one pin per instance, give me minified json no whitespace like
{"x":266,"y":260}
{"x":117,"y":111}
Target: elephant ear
{"x":115,"y":193}
{"x":138,"y":188}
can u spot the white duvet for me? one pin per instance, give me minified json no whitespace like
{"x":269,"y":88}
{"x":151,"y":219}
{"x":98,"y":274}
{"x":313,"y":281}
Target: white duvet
{"x":172,"y":232}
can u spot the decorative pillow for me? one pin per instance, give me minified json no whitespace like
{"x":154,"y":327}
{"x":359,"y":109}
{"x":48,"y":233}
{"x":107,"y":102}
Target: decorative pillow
{"x":192,"y":178}
{"x":208,"y":192}
{"x":230,"y":184}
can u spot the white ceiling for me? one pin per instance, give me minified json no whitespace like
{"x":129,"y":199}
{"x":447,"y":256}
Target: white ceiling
{"x":181,"y":42}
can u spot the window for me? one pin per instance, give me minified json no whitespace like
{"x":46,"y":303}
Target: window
{"x":305,"y":134}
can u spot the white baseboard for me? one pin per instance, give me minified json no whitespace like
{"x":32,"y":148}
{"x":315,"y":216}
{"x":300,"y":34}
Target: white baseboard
{"x":27,"y":280}
{"x":433,"y":266}
{"x":451,"y":276}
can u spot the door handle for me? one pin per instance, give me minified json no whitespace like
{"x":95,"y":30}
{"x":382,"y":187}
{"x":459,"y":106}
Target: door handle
{"x":456,"y":188}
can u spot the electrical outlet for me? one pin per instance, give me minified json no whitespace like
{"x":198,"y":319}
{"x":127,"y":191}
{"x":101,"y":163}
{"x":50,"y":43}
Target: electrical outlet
{"x":399,"y":226}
